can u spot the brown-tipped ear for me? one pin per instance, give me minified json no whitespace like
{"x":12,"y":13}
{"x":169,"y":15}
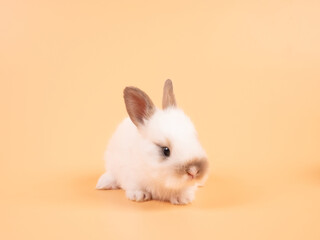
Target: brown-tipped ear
{"x":139,"y":105}
{"x":168,"y":99}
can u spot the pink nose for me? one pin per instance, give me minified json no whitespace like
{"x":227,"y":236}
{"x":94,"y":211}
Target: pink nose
{"x":192,"y":171}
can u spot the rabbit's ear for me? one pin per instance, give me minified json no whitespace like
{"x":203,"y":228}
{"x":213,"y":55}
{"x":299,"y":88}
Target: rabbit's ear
{"x":168,"y":99}
{"x":139,"y":105}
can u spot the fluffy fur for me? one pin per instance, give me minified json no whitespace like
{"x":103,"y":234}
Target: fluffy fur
{"x":134,"y":157}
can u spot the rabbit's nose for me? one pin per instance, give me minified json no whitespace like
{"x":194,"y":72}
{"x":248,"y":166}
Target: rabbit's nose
{"x":193,"y":171}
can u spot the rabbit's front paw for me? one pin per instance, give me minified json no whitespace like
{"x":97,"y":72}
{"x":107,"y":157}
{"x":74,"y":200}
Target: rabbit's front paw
{"x":182,"y":199}
{"x":138,"y":195}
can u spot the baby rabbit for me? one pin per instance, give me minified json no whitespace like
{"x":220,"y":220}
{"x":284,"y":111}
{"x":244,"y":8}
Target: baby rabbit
{"x":155,"y":154}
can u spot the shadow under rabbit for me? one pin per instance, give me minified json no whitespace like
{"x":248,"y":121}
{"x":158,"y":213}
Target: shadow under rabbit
{"x":84,"y":187}
{"x":218,"y":192}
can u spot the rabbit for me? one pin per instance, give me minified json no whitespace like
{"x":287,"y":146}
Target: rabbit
{"x":154,"y":153}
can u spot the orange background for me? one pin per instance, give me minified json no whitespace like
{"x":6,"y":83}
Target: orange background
{"x":246,"y":72}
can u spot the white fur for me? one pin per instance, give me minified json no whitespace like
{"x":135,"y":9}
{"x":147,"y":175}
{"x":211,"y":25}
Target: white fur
{"x":134,"y":162}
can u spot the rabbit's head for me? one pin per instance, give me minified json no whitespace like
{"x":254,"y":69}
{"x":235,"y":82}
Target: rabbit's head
{"x":175,"y":155}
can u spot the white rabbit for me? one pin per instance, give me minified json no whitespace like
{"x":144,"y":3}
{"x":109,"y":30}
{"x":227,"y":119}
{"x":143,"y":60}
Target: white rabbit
{"x":155,"y":154}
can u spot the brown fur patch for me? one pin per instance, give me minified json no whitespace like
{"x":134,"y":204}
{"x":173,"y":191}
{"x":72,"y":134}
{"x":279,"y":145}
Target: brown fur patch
{"x":201,"y":165}
{"x":138,"y":104}
{"x":168,"y":99}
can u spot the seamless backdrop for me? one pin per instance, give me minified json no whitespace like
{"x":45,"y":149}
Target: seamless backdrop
{"x":246,"y":72}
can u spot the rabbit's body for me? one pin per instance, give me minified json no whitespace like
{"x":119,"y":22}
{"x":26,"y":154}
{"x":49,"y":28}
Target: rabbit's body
{"x":155,"y":154}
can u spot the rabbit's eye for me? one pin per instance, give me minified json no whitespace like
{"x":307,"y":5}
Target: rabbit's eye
{"x":166,"y":151}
